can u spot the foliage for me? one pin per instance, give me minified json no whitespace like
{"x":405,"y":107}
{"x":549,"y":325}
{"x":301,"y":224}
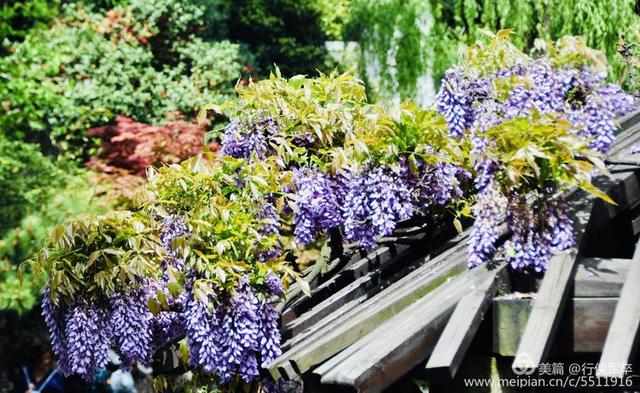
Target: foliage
{"x":538,"y":127}
{"x":224,"y":221}
{"x":391,"y":38}
{"x":629,"y":54}
{"x":88,"y":68}
{"x":134,"y":146}
{"x":406,"y":39}
{"x":129,"y":148}
{"x":286,"y":33}
{"x":309,"y":159}
{"x":95,"y":256}
{"x":27,"y":179}
{"x":333,"y":14}
{"x":17,"y":17}
{"x":75,"y":196}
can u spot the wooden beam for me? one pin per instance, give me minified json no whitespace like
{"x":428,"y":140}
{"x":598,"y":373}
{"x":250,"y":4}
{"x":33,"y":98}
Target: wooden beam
{"x":600,"y":277}
{"x":629,"y":120}
{"x":545,"y":313}
{"x":460,"y":330}
{"x":375,"y":280}
{"x":388,"y":352}
{"x":359,"y":266}
{"x":352,"y":325}
{"x":590,"y":321}
{"x":622,"y":338}
{"x":357,"y":287}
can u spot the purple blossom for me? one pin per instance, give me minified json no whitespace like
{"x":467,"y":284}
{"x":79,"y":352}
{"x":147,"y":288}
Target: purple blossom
{"x":442,"y":183}
{"x":485,"y":170}
{"x":200,"y":324}
{"x":270,"y":225}
{"x":489,"y":212}
{"x":243,"y":139}
{"x":87,"y":340}
{"x":274,"y":284}
{"x":131,"y":323}
{"x":596,"y":119}
{"x":375,"y":201}
{"x":238,"y":337}
{"x":269,"y":333}
{"x":54,"y":319}
{"x":454,"y":101}
{"x":318,"y":200}
{"x":527,"y":246}
{"x":167,"y":326}
{"x":233,"y":339}
{"x":536,"y":236}
{"x":173,"y":227}
{"x":432,"y":184}
{"x":559,"y":226}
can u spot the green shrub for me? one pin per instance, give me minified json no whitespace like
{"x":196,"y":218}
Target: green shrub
{"x":88,"y":68}
{"x":36,"y":195}
{"x":17,"y":17}
{"x":287,"y":33}
{"x":26,"y":180}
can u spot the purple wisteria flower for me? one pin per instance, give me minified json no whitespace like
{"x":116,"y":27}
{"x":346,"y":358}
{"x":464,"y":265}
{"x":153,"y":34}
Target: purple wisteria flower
{"x":236,"y":337}
{"x":536,"y":236}
{"x":242,"y":139}
{"x":54,"y":319}
{"x":318,"y":199}
{"x":433,"y":184}
{"x":173,"y":227}
{"x":489,"y":212}
{"x":269,"y":333}
{"x":274,"y":284}
{"x":527,"y":247}
{"x":595,"y":120}
{"x":454,"y":101}
{"x":87,"y":341}
{"x":270,"y":225}
{"x":376,"y":200}
{"x":131,"y":323}
{"x":201,"y":326}
{"x":442,"y":184}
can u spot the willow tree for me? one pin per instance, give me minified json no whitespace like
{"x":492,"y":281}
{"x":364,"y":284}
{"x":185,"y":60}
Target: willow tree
{"x":406,"y":39}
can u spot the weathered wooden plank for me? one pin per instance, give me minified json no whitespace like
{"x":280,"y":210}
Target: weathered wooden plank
{"x":329,"y":321}
{"x":361,"y":266}
{"x":510,"y":317}
{"x":546,"y":312}
{"x":628,"y":120}
{"x":355,"y":289}
{"x":388,"y":352}
{"x":622,"y":338}
{"x":324,"y":343}
{"x":406,"y":260}
{"x":591,"y":320}
{"x":461,"y":329}
{"x":599,"y":277}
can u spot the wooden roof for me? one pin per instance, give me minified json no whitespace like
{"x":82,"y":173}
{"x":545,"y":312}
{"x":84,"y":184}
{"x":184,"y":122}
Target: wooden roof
{"x":411,"y":307}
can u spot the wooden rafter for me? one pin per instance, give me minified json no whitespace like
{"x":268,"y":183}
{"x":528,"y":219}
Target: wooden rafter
{"x":622,"y":337}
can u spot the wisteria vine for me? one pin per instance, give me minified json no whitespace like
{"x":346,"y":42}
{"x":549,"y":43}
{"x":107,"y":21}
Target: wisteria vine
{"x":207,"y":257}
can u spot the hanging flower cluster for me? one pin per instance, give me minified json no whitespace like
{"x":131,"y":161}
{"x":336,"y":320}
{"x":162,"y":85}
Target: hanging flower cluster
{"x":530,"y":121}
{"x":98,"y":302}
{"x":304,"y":159}
{"x":234,"y":336}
